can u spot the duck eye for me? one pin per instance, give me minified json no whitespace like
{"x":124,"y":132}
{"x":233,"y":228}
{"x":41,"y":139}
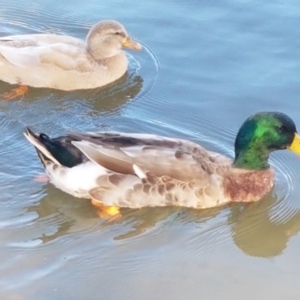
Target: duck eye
{"x":282,"y":128}
{"x":118,"y":33}
{"x":44,"y":137}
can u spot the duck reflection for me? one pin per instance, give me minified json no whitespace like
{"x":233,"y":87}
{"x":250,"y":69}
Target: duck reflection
{"x":67,"y":214}
{"x":255,"y":229}
{"x":74,"y":215}
{"x":105,"y":99}
{"x":115,"y":95}
{"x":130,"y":85}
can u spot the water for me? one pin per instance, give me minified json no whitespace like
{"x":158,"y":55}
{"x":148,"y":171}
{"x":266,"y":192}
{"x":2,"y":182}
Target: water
{"x":205,"y":67}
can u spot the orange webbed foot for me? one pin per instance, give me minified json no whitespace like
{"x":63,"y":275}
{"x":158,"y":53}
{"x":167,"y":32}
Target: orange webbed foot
{"x":42,"y":178}
{"x":108,"y":216}
{"x":110,"y":213}
{"x":21,"y":90}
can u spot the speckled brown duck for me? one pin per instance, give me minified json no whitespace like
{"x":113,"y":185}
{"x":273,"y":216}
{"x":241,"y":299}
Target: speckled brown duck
{"x":138,"y":170}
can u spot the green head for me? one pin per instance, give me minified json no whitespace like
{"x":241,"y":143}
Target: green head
{"x":261,"y":134}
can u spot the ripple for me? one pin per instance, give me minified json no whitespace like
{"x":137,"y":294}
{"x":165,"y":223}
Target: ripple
{"x":286,"y":177}
{"x":153,"y":72}
{"x":196,"y":84}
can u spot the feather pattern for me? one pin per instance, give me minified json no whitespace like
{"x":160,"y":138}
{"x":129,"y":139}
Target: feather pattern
{"x":137,"y":170}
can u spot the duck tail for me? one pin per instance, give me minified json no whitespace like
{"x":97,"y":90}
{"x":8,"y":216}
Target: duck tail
{"x":45,"y":147}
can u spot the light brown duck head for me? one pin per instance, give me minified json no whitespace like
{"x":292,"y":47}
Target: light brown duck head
{"x":107,"y":38}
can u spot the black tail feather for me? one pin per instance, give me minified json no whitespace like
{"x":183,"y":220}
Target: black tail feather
{"x":56,"y":150}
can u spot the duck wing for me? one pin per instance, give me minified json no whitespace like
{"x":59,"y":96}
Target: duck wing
{"x":177,"y":158}
{"x":34,"y":50}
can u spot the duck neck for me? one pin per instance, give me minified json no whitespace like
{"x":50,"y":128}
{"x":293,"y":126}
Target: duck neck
{"x":251,"y":159}
{"x":100,"y":53}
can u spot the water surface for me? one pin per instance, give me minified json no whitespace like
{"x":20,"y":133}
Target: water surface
{"x":205,"y":67}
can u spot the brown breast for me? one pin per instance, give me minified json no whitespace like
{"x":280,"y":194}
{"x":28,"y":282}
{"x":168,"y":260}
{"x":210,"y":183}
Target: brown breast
{"x":247,"y":186}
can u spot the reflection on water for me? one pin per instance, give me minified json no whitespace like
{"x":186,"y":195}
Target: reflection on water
{"x":256,"y":233}
{"x":253,"y":228}
{"x":112,"y":98}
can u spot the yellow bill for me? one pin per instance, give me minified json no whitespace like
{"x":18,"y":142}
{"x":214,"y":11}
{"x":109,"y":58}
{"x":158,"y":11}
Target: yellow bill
{"x":131,"y":44}
{"x":295,"y":146}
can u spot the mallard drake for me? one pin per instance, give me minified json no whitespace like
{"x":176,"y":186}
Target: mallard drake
{"x":64,"y":62}
{"x":138,"y":170}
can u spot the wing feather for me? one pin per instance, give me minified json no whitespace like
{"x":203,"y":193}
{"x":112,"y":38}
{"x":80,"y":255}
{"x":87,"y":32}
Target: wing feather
{"x":179,"y":159}
{"x":64,"y":52}
{"x":111,"y":159}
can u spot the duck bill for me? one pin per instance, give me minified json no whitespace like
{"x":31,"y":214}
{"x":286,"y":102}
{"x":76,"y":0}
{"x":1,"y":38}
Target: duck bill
{"x":131,"y":44}
{"x":295,"y":145}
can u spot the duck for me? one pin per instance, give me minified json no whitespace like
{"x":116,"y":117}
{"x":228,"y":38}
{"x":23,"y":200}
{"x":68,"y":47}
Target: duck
{"x":135,"y":170}
{"x":64,"y":62}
